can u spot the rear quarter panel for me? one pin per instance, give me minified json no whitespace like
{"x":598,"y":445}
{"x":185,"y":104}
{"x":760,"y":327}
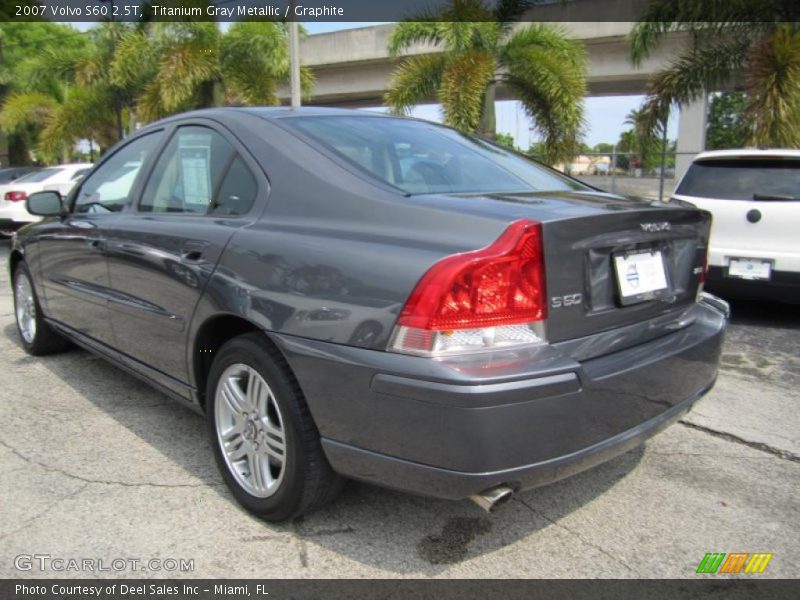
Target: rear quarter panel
{"x":333,"y":255}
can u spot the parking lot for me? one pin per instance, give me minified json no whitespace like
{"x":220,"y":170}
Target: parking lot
{"x":95,"y":464}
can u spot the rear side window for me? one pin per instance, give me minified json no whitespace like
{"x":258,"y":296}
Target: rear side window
{"x":743,"y":179}
{"x":238,"y":190}
{"x":199,"y":173}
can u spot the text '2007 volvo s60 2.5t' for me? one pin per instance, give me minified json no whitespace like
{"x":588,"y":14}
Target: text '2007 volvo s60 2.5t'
{"x":353,"y":295}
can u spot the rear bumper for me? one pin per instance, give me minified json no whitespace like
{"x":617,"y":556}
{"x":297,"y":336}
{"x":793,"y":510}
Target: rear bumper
{"x":14,"y":215}
{"x":451,"y":429}
{"x":454,"y":485}
{"x":783,"y":286}
{"x":11,"y":225}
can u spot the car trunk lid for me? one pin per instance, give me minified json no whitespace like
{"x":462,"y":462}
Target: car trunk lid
{"x":590,"y":241}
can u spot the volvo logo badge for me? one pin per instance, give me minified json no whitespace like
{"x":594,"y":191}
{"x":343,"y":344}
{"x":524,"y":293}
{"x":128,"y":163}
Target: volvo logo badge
{"x":653,"y":227}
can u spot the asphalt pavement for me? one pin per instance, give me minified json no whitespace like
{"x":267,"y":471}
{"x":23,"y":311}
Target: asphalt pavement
{"x":96,"y":465}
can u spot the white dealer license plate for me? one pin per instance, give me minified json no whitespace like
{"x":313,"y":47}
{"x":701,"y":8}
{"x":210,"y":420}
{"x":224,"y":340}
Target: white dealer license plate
{"x":640,"y":275}
{"x":750,"y":268}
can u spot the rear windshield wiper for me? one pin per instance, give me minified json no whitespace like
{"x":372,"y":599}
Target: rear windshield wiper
{"x":773,"y":197}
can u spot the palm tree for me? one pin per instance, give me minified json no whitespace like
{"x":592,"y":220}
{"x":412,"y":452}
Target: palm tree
{"x":30,"y":90}
{"x":754,"y":46}
{"x":476,"y":49}
{"x":183,"y":65}
{"x":64,"y":95}
{"x":647,"y":140}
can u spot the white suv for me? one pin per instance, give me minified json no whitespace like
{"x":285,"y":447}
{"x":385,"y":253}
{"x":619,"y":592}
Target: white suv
{"x":754,"y":197}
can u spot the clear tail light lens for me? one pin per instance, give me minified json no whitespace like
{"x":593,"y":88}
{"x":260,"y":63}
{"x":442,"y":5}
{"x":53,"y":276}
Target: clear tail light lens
{"x":476,"y":301}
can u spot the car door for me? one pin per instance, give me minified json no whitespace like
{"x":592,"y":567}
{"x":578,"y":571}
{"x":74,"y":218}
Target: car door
{"x":203,"y":187}
{"x":76,"y":282}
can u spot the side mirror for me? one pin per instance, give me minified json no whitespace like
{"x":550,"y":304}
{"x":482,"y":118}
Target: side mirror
{"x":45,"y":204}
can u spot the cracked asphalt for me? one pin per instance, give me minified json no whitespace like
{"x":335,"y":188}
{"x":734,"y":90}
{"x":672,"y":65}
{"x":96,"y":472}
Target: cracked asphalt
{"x":95,"y":464}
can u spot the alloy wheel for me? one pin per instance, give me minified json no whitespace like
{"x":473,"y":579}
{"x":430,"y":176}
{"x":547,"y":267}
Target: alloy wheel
{"x":25,"y":308}
{"x":250,"y":430}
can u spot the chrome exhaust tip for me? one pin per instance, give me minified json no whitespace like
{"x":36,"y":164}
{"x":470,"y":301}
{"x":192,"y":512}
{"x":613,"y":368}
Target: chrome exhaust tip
{"x":490,"y":499}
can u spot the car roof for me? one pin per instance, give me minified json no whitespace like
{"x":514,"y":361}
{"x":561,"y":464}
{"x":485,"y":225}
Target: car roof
{"x":748,"y":153}
{"x":270,"y":113}
{"x":278,"y":112}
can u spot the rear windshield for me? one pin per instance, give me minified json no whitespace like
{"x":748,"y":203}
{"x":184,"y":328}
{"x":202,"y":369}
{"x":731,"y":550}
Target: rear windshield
{"x":39,"y":175}
{"x":743,"y":179}
{"x":422,"y":158}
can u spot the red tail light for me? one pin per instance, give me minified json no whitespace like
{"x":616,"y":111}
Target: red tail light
{"x":16,"y":196}
{"x":703,"y":275}
{"x":704,"y":272}
{"x":479,"y":300}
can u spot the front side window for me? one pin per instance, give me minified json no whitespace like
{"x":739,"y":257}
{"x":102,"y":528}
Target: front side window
{"x":755,"y":178}
{"x":423,"y":158}
{"x":108,"y":189}
{"x":199,"y":173}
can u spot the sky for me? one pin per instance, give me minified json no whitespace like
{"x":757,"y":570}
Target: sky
{"x":605,"y":115}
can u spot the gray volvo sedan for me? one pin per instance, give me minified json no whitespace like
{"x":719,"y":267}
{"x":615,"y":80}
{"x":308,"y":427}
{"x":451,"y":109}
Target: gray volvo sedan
{"x":354,"y":295}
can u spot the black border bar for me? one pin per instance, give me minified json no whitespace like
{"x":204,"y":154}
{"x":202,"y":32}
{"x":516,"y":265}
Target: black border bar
{"x":701,"y":587}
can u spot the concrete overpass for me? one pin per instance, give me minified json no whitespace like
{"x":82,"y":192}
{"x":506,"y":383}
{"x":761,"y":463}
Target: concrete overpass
{"x":353,"y":68}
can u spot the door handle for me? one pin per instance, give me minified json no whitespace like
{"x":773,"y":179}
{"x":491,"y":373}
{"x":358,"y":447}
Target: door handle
{"x":192,"y":256}
{"x":193,"y":252}
{"x":98,"y":243}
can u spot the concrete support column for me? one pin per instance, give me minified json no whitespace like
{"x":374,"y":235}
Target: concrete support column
{"x":691,"y":134}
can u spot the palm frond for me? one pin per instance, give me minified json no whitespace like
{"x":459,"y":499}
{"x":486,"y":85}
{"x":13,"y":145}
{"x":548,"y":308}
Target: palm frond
{"x":254,"y":58}
{"x":135,"y":61}
{"x":551,"y":38}
{"x":187,"y":65}
{"x":150,"y":104}
{"x":462,"y":36}
{"x":406,"y":34}
{"x":27,"y":109}
{"x":691,"y":75}
{"x":706,"y":18}
{"x":86,"y":114}
{"x":773,"y":90}
{"x":415,"y":80}
{"x":547,"y":72}
{"x":464,"y":81}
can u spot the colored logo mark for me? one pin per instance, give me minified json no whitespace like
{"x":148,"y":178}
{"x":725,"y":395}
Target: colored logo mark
{"x":735,"y":562}
{"x":632,"y":276}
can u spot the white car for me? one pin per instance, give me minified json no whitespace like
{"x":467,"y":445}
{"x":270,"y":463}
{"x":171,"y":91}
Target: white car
{"x":13,"y":213}
{"x":754,"y":197}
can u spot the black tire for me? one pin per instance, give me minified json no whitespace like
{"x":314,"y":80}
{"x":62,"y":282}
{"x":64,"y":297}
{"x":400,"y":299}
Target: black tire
{"x":45,"y":340}
{"x":308,"y":481}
